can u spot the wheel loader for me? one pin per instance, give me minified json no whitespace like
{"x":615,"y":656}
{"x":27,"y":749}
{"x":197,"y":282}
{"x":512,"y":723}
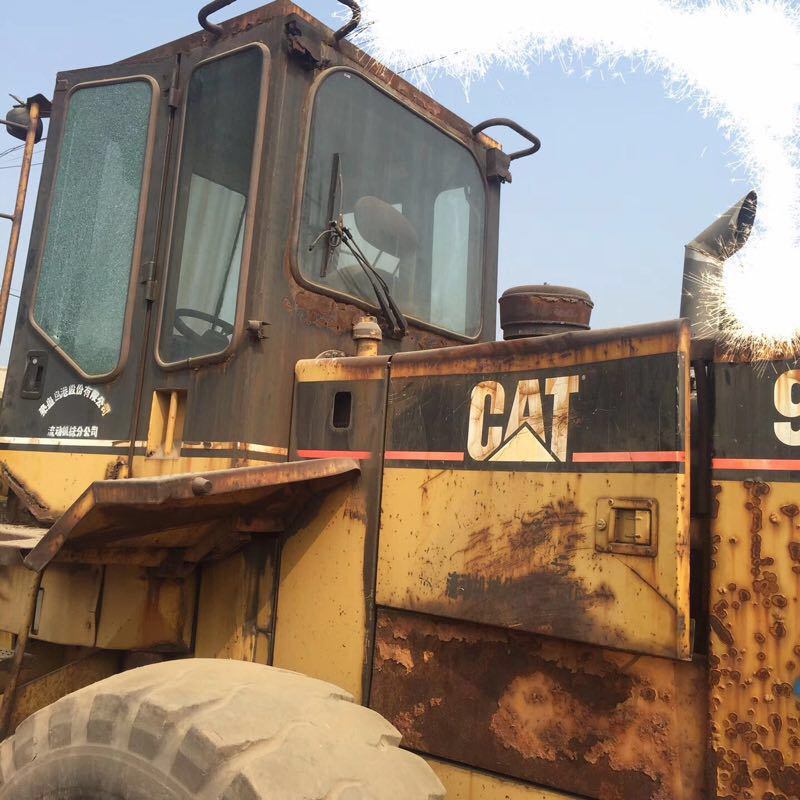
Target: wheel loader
{"x":284,"y":520}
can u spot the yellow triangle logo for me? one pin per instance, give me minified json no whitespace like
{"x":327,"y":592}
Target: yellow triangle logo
{"x":524,"y":445}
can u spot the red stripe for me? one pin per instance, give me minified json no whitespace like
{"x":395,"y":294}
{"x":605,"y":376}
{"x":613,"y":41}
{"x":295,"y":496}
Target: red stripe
{"x":659,"y":456}
{"x":756,"y":463}
{"x":362,"y":455}
{"x":418,"y":455}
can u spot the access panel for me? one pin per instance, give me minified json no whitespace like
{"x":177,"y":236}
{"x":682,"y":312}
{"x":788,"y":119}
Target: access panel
{"x":541,"y":485}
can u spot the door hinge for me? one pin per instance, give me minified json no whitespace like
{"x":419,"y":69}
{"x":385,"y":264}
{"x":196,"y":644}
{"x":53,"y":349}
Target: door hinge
{"x":149,"y":281}
{"x":174,"y":93}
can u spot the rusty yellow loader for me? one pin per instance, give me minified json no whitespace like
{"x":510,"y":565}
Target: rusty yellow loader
{"x":284,"y":522}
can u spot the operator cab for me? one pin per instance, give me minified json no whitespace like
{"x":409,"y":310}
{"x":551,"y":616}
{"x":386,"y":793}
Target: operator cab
{"x":218,"y":208}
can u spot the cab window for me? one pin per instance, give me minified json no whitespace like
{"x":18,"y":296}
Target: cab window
{"x":213,"y":197}
{"x":85,"y":273}
{"x":411,"y":196}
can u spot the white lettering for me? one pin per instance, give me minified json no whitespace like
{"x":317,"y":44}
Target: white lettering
{"x":787,"y":407}
{"x":561,"y":388}
{"x":491,"y":394}
{"x":527,"y":407}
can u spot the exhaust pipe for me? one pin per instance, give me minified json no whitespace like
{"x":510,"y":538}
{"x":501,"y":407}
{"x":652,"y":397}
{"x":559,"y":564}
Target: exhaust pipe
{"x":705,"y":256}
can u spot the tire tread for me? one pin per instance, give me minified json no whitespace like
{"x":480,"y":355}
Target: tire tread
{"x":232,"y":730}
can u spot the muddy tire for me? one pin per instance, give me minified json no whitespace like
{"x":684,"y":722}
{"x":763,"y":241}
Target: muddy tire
{"x":202,"y":728}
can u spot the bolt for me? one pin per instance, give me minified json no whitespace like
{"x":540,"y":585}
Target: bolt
{"x":201,"y":486}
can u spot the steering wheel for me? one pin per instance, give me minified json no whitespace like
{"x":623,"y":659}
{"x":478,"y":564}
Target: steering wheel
{"x":191,"y":334}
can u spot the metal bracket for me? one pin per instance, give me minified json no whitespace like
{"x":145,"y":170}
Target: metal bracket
{"x":305,"y":51}
{"x":498,"y":165}
{"x":257,"y":329}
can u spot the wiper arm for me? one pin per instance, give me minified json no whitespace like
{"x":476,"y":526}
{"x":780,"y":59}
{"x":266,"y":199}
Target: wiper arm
{"x":337,"y":234}
{"x":390,"y":309}
{"x":334,"y":192}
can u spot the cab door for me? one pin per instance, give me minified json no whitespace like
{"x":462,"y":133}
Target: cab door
{"x":196,"y":358}
{"x":76,"y":356}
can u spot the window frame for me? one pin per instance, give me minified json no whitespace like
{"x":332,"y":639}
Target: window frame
{"x":249,"y":220}
{"x":141,"y":218}
{"x":309,"y":112}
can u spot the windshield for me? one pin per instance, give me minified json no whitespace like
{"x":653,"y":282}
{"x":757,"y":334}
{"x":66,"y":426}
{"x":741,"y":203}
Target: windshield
{"x":412,"y":197}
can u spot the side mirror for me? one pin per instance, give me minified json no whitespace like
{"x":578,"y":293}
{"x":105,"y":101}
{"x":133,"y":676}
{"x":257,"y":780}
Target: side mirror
{"x":17,"y":122}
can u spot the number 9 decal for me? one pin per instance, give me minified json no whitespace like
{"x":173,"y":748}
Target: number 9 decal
{"x":787,"y":407}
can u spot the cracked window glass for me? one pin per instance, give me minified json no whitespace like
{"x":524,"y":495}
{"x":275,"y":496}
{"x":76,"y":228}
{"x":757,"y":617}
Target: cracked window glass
{"x":85,"y":273}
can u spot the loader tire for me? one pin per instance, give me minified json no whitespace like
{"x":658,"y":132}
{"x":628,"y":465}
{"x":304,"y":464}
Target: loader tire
{"x":203,"y":728}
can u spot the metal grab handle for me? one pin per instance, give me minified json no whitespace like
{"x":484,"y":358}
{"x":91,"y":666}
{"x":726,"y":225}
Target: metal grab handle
{"x":355,"y":20}
{"x":209,"y":9}
{"x":509,"y":123}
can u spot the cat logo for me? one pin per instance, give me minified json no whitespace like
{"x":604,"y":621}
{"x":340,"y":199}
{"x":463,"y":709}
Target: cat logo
{"x":521,"y":437}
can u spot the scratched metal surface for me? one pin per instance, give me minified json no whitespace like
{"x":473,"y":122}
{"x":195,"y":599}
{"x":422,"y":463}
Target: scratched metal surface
{"x":600,"y":723}
{"x":517,"y":550}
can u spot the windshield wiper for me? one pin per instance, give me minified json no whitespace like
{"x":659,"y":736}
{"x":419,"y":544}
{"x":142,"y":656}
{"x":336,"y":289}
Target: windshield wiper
{"x":338,"y":233}
{"x":334,"y":192}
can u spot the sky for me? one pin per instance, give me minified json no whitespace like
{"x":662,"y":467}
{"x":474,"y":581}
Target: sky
{"x":626,"y":176}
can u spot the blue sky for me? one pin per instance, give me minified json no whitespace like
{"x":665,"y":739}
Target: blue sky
{"x":624,"y":179}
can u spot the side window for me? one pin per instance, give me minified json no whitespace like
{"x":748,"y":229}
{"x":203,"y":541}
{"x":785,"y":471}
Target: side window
{"x":213,"y":197}
{"x":85,"y":273}
{"x":451,"y":278}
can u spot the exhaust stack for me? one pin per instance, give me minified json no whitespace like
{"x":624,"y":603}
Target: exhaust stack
{"x":706,"y":255}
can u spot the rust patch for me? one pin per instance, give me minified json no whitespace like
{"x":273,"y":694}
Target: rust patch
{"x":522,"y":577}
{"x":323,"y":311}
{"x":794,"y":551}
{"x":580,"y":719}
{"x":29,"y":499}
{"x":754,"y":706}
{"x":791,"y":510}
{"x":718,"y":626}
{"x":116,"y":469}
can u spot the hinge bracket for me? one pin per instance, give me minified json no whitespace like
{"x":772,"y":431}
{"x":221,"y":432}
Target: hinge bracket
{"x":149,"y":281}
{"x":306,"y":52}
{"x":174,"y":93}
